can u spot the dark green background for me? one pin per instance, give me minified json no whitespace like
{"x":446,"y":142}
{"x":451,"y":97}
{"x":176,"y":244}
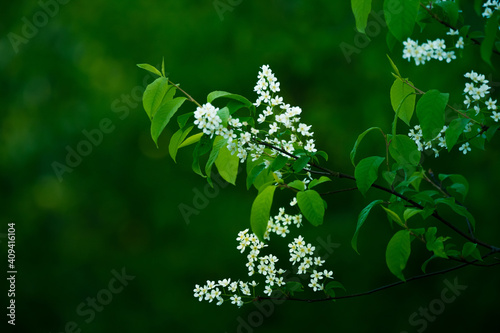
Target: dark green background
{"x":119,"y":207}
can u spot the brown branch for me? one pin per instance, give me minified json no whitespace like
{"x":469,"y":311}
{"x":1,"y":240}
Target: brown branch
{"x":446,"y":24}
{"x":337,"y":174}
{"x":414,"y":278}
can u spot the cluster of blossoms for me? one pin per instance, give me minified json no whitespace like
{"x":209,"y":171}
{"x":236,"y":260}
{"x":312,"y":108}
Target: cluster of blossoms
{"x":489,"y":7}
{"x":301,"y":253}
{"x":475,"y":95}
{"x":435,"y":49}
{"x":475,"y":99}
{"x":280,"y":122}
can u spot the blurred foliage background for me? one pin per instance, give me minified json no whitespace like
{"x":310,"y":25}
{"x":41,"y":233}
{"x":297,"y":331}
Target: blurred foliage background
{"x":118,"y":208}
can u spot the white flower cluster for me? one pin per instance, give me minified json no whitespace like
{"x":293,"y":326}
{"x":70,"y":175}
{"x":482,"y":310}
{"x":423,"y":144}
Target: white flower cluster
{"x":475,"y":95}
{"x":286,"y":117}
{"x":300,"y":253}
{"x":489,"y":7}
{"x":278,"y":116}
{"x":435,"y":49}
{"x":439,"y":141}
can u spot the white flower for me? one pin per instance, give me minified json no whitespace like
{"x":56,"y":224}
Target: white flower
{"x":495,"y":116}
{"x":293,"y":202}
{"x":465,"y":148}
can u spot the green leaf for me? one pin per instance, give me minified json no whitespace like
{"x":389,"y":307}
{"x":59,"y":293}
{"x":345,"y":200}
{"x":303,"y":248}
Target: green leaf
{"x":192,"y":139}
{"x":163,"y":66}
{"x":219,"y":142}
{"x":322,"y":154}
{"x":163,"y":116}
{"x":293,"y":287}
{"x":154,"y":94}
{"x":256,"y":170}
{"x":396,"y":70}
{"x":311,"y":205}
{"x":366,"y":172}
{"x":150,"y":68}
{"x":404,"y":151}
{"x":297,"y":184}
{"x":361,"y":220}
{"x":334,"y":285}
{"x":397,"y":253}
{"x":261,"y":208}
{"x":470,"y":249}
{"x":321,"y":180}
{"x":491,"y":132}
{"x":361,"y":9}
{"x":454,"y":130}
{"x":460,"y":184}
{"x":223,"y":115}
{"x":430,"y":112}
{"x":227,"y":165}
{"x":393,"y":216}
{"x":435,"y":244}
{"x":202,"y":147}
{"x":176,"y":140}
{"x":223,"y":94}
{"x":424,"y":265}
{"x":279,"y":162}
{"x":448,"y":11}
{"x":488,"y":42}
{"x":460,"y":210}
{"x":403,"y":100}
{"x":409,"y":212}
{"x":183,"y":119}
{"x":400,"y":16}
{"x":300,"y":163}
{"x":358,"y":141}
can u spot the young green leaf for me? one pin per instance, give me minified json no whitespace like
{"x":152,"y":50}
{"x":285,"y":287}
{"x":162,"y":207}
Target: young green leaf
{"x":219,"y":142}
{"x":470,"y":249}
{"x":404,"y":151}
{"x":150,"y":68}
{"x":300,"y":163}
{"x":400,"y":16}
{"x":430,"y":112}
{"x":393,"y":216}
{"x":256,"y":170}
{"x":176,"y":140}
{"x":192,"y":139}
{"x":163,"y":116}
{"x":227,"y":165}
{"x":491,"y":30}
{"x":361,"y":220}
{"x":361,"y":9}
{"x":261,"y":208}
{"x":154,"y":94}
{"x":397,"y":253}
{"x":223,"y":94}
{"x":454,"y":130}
{"x":366,"y":172}
{"x":321,"y":180}
{"x":410,"y":212}
{"x":460,"y":210}
{"x":403,"y":100}
{"x":297,"y":184}
{"x":358,"y":141}
{"x":279,"y":162}
{"x":311,"y":205}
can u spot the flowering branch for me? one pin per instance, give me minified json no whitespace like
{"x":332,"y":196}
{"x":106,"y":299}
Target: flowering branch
{"x":414,"y":278}
{"x":446,"y":24}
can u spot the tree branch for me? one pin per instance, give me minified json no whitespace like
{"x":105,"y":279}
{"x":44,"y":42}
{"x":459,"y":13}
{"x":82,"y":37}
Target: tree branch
{"x":337,"y":174}
{"x":414,"y":278}
{"x":446,"y":24}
